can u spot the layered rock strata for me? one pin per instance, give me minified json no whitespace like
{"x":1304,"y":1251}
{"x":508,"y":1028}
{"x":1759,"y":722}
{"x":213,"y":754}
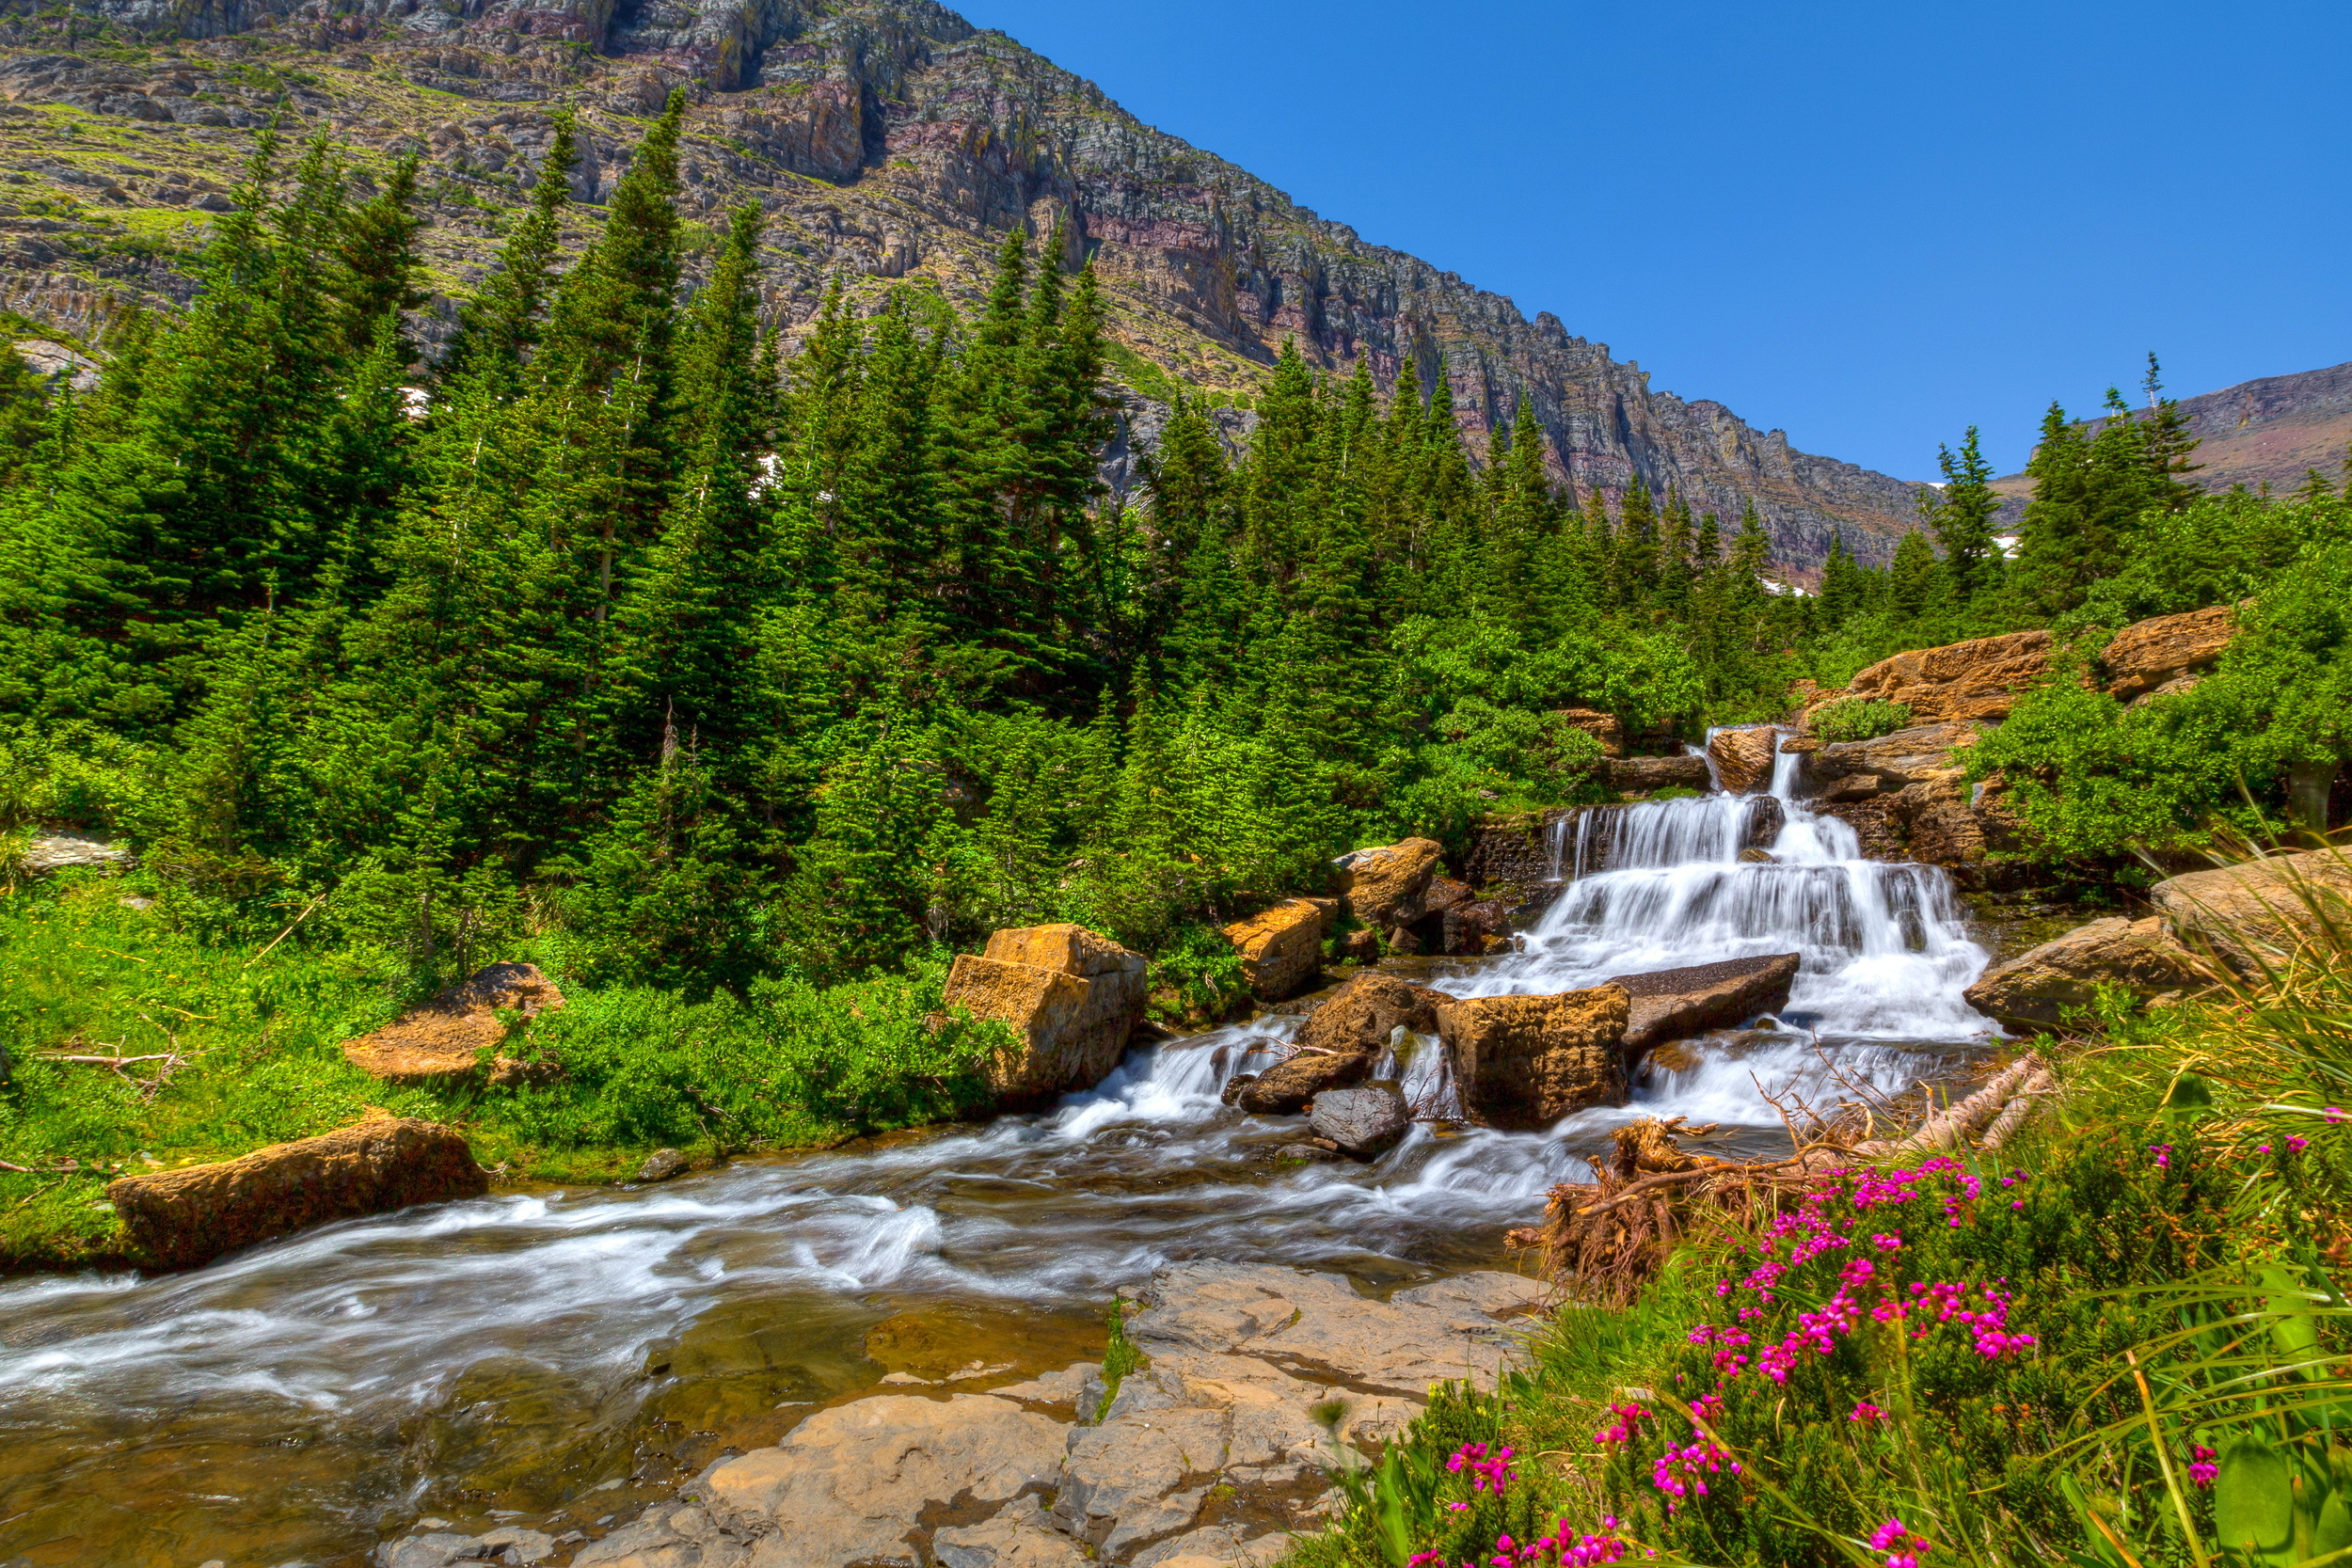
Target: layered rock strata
{"x":1523,"y":1062}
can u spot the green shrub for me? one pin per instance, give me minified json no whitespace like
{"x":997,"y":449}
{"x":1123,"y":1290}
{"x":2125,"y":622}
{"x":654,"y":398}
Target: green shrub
{"x":1860,"y":719}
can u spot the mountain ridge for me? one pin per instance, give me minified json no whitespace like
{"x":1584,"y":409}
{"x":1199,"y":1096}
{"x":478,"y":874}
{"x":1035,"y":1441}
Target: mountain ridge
{"x":888,"y":139}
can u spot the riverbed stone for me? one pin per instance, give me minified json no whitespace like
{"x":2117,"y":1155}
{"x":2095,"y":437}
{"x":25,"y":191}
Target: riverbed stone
{"x":852,"y":1484}
{"x":1366,"y":1009}
{"x":1289,"y":1087}
{"x":1071,"y":996}
{"x":1364,"y":1123}
{"x":2256,"y":914}
{"x":1524,"y":1061}
{"x":2039,"y":987}
{"x":181,"y":1218}
{"x":1022,"y":1536}
{"x":1382,"y":886}
{"x":676,"y":1534}
{"x":1280,"y":947}
{"x":445,"y":1039}
{"x":1743,"y":758}
{"x":1675,"y":1004}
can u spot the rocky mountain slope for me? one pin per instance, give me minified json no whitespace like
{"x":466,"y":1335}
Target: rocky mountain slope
{"x":2269,"y":431}
{"x":888,"y":139}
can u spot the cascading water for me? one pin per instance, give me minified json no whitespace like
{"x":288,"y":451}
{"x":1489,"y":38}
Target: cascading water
{"x":510,"y":1358}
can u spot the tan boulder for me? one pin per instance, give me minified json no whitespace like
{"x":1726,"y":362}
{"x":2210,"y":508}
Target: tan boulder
{"x":1362,"y":1013}
{"x":1674,"y":1004}
{"x":1743,"y":758}
{"x":1072,"y":1013}
{"x":2257,"y":914}
{"x":1898,"y":758}
{"x":2149,"y":653}
{"x":1639,"y":775}
{"x":2037,"y":987}
{"x":444,"y":1038}
{"x":1978,"y":679}
{"x":1527,"y":1061}
{"x":1607,"y":728}
{"x":1281,"y":948}
{"x":181,"y":1218}
{"x":1382,"y":886}
{"x":1291,"y":1085}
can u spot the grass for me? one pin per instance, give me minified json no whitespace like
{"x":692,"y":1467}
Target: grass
{"x":2154,"y":1261}
{"x":244,"y":1046}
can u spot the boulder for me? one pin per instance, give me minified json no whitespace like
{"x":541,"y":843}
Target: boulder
{"x":1675,"y":1004}
{"x":46,"y":853}
{"x":1364,"y":1123}
{"x":1639,"y":775}
{"x":1743,"y":758}
{"x":1480,"y":926}
{"x":444,"y":1038}
{"x":661,"y":1165}
{"x":854,"y":1484}
{"x":2256,"y":914}
{"x":2037,"y":987}
{"x":2147,"y":655}
{"x":1978,"y":679}
{"x":181,"y":1218}
{"x":1070,"y":995}
{"x":1604,"y":727}
{"x":1359,"y":946}
{"x":1903,"y":758}
{"x":1281,"y":948}
{"x":1361,"y":1014}
{"x":1289,"y":1087}
{"x":1760,"y":823}
{"x":1526,"y":1061}
{"x":1382,"y":886}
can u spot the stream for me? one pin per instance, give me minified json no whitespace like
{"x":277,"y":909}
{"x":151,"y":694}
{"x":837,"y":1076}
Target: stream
{"x":558,"y":1357}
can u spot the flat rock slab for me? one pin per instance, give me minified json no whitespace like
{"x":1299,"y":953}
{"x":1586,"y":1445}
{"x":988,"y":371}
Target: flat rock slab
{"x":1675,"y":1004}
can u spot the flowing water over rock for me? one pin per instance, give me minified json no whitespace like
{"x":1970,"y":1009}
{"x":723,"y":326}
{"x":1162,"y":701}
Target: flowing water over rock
{"x":556,"y":1358}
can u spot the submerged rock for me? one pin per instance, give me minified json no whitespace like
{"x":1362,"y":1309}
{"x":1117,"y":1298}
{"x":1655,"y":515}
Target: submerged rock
{"x":445,"y":1038}
{"x":1281,"y":947}
{"x":1675,"y":1004}
{"x":1526,"y":1061}
{"x":181,"y":1218}
{"x":1072,"y":996}
{"x":2035,"y":989}
{"x":1364,"y":1123}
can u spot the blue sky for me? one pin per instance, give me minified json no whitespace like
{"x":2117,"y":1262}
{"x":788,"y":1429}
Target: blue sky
{"x":1869,"y":224}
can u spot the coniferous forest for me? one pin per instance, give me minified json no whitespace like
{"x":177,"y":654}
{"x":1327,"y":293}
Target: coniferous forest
{"x":741,"y":687}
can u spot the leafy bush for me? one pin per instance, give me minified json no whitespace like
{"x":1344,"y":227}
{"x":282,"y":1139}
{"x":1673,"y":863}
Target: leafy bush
{"x":1860,"y":719}
{"x":1197,"y":980}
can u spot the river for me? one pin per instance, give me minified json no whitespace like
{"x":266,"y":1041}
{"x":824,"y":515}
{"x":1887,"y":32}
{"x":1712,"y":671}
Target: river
{"x":556,"y":1357}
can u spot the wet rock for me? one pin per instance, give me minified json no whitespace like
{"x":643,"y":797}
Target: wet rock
{"x":1526,"y":1061}
{"x":445,"y":1038}
{"x":181,"y":1218}
{"x":1978,"y":679}
{"x":676,"y":1535}
{"x":1755,"y":857}
{"x":46,"y":853}
{"x":1760,"y":823}
{"x":1639,"y":775}
{"x":1480,"y":926}
{"x":1023,"y":1536}
{"x":1675,"y":1004}
{"x":1074,"y":998}
{"x":1382,"y":887}
{"x":2037,"y":987}
{"x":2257,"y":914}
{"x":1285,"y":1089}
{"x":2148,"y":654}
{"x":1363,"y":1123}
{"x":853,"y":1483}
{"x":1362,"y":1013}
{"x":1743,"y":758}
{"x":1281,"y":948}
{"x":1231,"y":1093}
{"x":661,"y":1165}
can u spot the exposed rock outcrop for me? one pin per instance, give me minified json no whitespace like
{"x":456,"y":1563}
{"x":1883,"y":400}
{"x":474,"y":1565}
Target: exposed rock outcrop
{"x":1979,"y":679}
{"x":1280,"y":947}
{"x":445,"y":1038}
{"x":2152,"y":654}
{"x":1607,"y":728}
{"x":1362,"y":1123}
{"x":1640,"y":775}
{"x":1072,"y":997}
{"x":2035,"y":989}
{"x":1675,"y":1004}
{"x":1526,"y":1061}
{"x":1890,"y":762}
{"x":181,"y":1218}
{"x":2258,"y":914}
{"x":1743,"y":758}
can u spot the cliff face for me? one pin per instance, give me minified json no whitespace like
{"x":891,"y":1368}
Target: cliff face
{"x":887,"y":138}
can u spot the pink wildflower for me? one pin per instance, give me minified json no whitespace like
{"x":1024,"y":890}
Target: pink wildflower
{"x":1865,"y":1411}
{"x":2201,"y":1469}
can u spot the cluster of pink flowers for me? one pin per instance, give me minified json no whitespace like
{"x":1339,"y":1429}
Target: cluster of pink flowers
{"x":1903,"y":1545}
{"x":1865,"y":1411}
{"x":2201,"y":1469}
{"x":1583,"y":1549}
{"x":1488,"y":1472}
{"x":1628,"y":1415}
{"x":1681,"y":1472}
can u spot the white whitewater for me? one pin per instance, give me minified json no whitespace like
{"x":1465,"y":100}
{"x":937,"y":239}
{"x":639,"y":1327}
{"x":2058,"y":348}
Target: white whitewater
{"x":329,"y":1340}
